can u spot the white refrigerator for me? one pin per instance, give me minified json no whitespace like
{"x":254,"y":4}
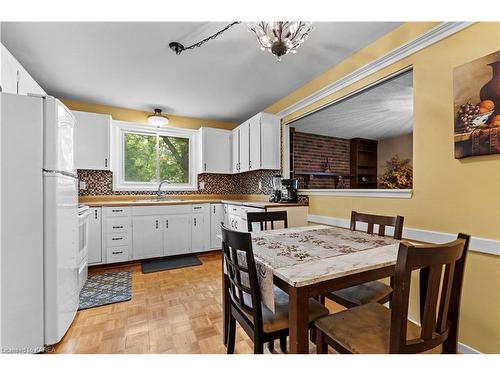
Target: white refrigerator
{"x":39,"y":223}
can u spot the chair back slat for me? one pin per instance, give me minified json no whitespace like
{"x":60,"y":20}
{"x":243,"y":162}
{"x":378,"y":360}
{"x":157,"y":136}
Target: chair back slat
{"x":381,"y":221}
{"x":239,"y":262}
{"x":266,"y":217}
{"x":439,"y":291}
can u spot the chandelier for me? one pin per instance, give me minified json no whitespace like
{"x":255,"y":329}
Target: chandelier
{"x":280,"y":38}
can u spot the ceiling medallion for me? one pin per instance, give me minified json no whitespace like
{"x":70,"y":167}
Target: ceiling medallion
{"x":280,"y":38}
{"x":158,"y":119}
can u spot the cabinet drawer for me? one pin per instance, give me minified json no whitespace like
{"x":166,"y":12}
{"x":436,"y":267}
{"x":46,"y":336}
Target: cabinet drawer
{"x":117,"y":239}
{"x":117,"y":211}
{"x":118,"y":254}
{"x":118,"y":225}
{"x":201,"y":208}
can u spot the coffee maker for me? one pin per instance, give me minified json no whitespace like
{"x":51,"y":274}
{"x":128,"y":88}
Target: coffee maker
{"x":289,"y":190}
{"x":276,"y":192}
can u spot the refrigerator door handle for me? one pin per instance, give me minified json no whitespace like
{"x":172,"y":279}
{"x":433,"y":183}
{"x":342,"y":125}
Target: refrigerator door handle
{"x":64,"y":173}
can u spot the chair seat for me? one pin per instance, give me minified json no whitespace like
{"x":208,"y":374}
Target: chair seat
{"x":373,"y":291}
{"x":278,"y":320}
{"x":364,"y":329}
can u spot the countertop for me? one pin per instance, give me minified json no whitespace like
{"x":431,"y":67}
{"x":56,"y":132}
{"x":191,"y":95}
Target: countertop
{"x":129,"y":201}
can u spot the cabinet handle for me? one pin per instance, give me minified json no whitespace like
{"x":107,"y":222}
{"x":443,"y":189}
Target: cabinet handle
{"x":95,"y":214}
{"x":156,"y":221}
{"x":250,"y":164}
{"x":166,"y":223}
{"x":194,"y":221}
{"x":214,"y":209}
{"x":118,"y":227}
{"x":106,"y":162}
{"x":116,"y":238}
{"x":18,"y":78}
{"x":205,"y":166}
{"x":116,"y":210}
{"x":116,"y":252}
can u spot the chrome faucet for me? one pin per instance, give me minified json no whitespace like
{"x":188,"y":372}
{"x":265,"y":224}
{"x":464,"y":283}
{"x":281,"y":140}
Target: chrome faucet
{"x":159,"y":193}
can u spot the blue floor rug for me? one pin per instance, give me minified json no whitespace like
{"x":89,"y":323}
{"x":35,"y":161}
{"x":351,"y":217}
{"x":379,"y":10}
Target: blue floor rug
{"x":106,"y":288}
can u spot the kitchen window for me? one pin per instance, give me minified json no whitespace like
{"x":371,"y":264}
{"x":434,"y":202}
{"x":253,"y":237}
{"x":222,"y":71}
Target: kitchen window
{"x":146,"y":155}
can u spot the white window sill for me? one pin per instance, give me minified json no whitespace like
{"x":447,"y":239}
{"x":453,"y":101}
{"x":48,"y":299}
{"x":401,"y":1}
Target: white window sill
{"x":371,"y":193}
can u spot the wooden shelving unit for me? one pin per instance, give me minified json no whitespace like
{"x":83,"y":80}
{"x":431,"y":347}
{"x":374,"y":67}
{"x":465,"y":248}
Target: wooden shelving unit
{"x":363,"y":164}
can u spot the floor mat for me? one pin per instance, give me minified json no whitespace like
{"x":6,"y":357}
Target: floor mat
{"x":164,"y":264}
{"x":105,"y":289}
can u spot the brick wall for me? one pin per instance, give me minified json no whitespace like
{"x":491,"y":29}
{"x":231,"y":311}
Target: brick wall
{"x":310,"y":152}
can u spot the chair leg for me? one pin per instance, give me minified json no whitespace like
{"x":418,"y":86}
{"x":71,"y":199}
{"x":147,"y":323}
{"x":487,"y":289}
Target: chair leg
{"x":231,"y":334}
{"x":312,"y":334}
{"x":258,"y":347}
{"x":321,"y":346}
{"x":283,"y":344}
{"x":270,"y":345}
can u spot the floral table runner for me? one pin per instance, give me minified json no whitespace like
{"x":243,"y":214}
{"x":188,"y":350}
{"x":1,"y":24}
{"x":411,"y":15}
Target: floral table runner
{"x":280,"y":251}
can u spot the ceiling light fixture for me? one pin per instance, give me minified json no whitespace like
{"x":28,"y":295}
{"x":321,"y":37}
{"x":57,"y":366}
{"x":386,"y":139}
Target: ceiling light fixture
{"x":158,"y":119}
{"x":280,"y":38}
{"x":178,"y":48}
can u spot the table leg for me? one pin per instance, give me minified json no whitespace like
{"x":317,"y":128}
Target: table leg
{"x":299,"y":320}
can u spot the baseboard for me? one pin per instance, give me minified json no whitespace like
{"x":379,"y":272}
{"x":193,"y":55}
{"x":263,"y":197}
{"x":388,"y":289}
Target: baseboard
{"x":477,"y":244}
{"x":462,"y":348}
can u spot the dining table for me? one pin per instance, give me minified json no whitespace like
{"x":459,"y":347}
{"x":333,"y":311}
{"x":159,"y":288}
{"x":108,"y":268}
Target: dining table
{"x":312,"y":261}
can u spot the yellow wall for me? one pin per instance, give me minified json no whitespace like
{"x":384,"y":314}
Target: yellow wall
{"x":132,"y":115}
{"x":450,"y":195}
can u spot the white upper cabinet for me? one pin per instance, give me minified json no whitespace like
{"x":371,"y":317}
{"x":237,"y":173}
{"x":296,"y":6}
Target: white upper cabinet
{"x":15,"y":79}
{"x":92,"y":141}
{"x":235,"y":150}
{"x":244,"y":147}
{"x":215,"y":150}
{"x":256,"y":144}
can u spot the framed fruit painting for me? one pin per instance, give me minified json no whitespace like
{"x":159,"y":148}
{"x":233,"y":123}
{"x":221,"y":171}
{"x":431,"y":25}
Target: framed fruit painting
{"x":476,"y":88}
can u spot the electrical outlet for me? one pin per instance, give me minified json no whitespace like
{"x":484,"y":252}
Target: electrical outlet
{"x":83,"y":185}
{"x":202,"y":185}
{"x":260,"y":185}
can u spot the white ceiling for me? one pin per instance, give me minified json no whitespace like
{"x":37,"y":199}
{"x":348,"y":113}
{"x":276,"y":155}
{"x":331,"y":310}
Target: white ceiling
{"x":383,"y":111}
{"x":130,"y":65}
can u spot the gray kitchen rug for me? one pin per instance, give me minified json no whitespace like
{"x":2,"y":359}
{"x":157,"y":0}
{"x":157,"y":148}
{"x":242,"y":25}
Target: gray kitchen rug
{"x":169,"y":263}
{"x":106,"y":288}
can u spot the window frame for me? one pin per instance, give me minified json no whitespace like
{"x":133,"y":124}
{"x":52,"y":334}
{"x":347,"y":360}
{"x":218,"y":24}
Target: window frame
{"x":118,"y":131}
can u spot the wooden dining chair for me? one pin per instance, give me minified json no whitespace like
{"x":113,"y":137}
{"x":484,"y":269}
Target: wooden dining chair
{"x":373,"y":291}
{"x":376,"y":329}
{"x":266,"y":217}
{"x":245,"y":306}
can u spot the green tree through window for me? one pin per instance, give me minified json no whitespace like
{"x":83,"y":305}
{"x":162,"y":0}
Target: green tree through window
{"x":144,"y":162}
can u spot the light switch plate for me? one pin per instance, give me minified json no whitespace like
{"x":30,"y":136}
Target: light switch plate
{"x":260,"y":185}
{"x":83,"y":185}
{"x":202,"y":185}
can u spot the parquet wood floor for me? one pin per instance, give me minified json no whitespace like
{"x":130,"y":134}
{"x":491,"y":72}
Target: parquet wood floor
{"x":177,"y":312}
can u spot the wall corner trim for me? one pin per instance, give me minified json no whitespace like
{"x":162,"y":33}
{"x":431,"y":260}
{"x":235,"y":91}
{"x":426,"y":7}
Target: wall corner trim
{"x":424,"y":40}
{"x":477,"y":244}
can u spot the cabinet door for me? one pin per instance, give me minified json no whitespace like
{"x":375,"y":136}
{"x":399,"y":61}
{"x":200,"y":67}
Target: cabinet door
{"x":216,"y":216}
{"x":255,"y":143}
{"x":270,"y":141}
{"x":216,"y":151}
{"x":147,"y":237}
{"x":176,"y":234}
{"x":235,"y":150}
{"x":10,"y":72}
{"x":92,"y":141}
{"x":244,"y":147}
{"x":200,"y":232}
{"x":95,"y":233}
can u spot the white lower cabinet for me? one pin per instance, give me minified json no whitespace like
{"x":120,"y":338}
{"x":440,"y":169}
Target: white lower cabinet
{"x":200,"y":233}
{"x":147,"y":237}
{"x":176,"y":234}
{"x":216,"y":217}
{"x":95,"y":233}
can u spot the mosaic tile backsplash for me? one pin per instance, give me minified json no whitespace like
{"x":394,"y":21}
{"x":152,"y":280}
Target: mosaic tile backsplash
{"x":101,"y":183}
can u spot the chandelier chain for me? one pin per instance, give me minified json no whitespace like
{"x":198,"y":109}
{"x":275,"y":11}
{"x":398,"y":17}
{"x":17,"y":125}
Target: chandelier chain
{"x":201,"y":42}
